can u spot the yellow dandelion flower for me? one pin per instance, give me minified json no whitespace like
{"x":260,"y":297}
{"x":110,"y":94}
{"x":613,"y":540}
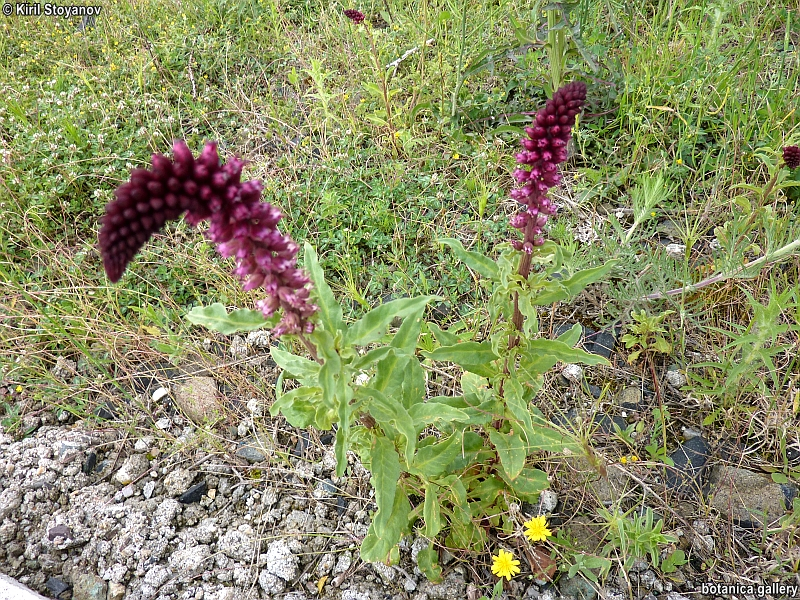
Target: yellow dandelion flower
{"x":504,"y":565}
{"x":623,"y":460}
{"x":679,"y":161}
{"x":18,"y":389}
{"x":653,"y":214}
{"x":456,"y":156}
{"x":536,"y":529}
{"x":634,"y":458}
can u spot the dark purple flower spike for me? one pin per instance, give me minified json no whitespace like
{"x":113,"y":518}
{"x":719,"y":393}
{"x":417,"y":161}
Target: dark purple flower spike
{"x":241,"y":226}
{"x":543,"y":149}
{"x":791,"y":156}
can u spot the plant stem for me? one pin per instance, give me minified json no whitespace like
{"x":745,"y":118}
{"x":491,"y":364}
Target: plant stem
{"x":310,"y":347}
{"x":457,"y":89}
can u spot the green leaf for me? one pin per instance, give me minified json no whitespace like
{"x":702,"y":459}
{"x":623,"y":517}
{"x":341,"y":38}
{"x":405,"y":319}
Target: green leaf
{"x":385,"y":472}
{"x":405,"y":340}
{"x":470,"y":356}
{"x":528,"y":484}
{"x":474,"y":260}
{"x":372,"y":326}
{"x":330,"y":311}
{"x":298,"y":406}
{"x":216,"y":318}
{"x":432,"y":512}
{"x":572,"y":336}
{"x":511,"y":449}
{"x":365,"y":362}
{"x":414,"y":391}
{"x":518,"y":406}
{"x":428,"y":563}
{"x":431,"y":461}
{"x":296,"y":366}
{"x":429,"y":413}
{"x":445,"y":338}
{"x":390,"y":373}
{"x":386,"y":529}
{"x":780,"y":478}
{"x":572,"y":286}
{"x":387,"y":410}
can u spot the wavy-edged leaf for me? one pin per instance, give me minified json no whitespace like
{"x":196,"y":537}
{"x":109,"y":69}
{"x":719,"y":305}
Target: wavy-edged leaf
{"x":528,"y":484}
{"x":475,"y":357}
{"x":474,"y":260}
{"x":372,"y":326}
{"x":429,"y":413}
{"x":296,"y":366}
{"x":387,"y":410}
{"x":432,"y":511}
{"x":330,"y":312}
{"x":428,"y":563}
{"x":298,"y":406}
{"x":405,"y":340}
{"x":565,"y":289}
{"x":445,"y":338}
{"x":432,"y":460}
{"x":511,"y":450}
{"x":216,"y":318}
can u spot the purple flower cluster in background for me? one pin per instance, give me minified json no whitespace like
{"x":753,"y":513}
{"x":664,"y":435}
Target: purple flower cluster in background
{"x":543,"y":149}
{"x":791,"y":156}
{"x":241,"y":226}
{"x":355,"y":16}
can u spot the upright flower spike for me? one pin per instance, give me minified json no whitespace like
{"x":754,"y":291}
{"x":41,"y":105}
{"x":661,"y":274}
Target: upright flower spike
{"x":355,"y":16}
{"x":241,"y":225}
{"x":544,"y":147}
{"x":791,"y":156}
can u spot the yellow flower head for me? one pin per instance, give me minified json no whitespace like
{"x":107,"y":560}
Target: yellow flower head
{"x":456,"y":156}
{"x":536,"y":529}
{"x":623,"y":460}
{"x":679,"y":161}
{"x":504,"y":565}
{"x":19,"y":389}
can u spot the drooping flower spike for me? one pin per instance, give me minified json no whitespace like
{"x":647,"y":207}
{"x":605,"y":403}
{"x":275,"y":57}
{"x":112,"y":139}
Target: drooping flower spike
{"x":544,"y":147}
{"x":241,"y":226}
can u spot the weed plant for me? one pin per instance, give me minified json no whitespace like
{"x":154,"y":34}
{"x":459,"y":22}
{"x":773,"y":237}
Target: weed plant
{"x":699,"y":96}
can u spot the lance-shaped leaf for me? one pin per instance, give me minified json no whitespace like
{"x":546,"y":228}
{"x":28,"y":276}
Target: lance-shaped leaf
{"x":373,"y":325}
{"x":216,"y":318}
{"x":387,"y":410}
{"x":475,"y":357}
{"x":432,"y":511}
{"x":428,"y":563}
{"x":528,"y":484}
{"x":474,"y":260}
{"x":558,"y":291}
{"x":330,"y":312}
{"x":296,"y":366}
{"x":432,"y":460}
{"x":298,"y":406}
{"x":511,"y":450}
{"x":430,"y":413}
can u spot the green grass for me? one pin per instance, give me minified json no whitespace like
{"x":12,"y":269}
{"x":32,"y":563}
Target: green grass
{"x":701,"y":94}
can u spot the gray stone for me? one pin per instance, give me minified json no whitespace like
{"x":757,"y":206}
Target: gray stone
{"x":238,"y":348}
{"x":548,"y":501}
{"x":255,"y":449}
{"x":452,"y":588}
{"x":752,"y":499}
{"x":190,"y":560}
{"x":64,"y":369}
{"x":10,"y":500}
{"x":178,"y":481}
{"x":116,"y":591}
{"x":198,"y":399}
{"x":281,"y":562}
{"x":240,"y":544}
{"x":89,"y":587}
{"x":578,"y":588}
{"x":630,"y":397}
{"x":148,"y":489}
{"x":133,"y":467}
